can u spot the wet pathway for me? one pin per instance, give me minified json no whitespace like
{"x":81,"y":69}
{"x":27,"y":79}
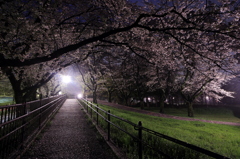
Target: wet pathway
{"x":70,"y":136}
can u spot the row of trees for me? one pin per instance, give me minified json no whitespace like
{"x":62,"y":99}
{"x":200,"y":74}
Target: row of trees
{"x":127,"y":77}
{"x":177,"y":40}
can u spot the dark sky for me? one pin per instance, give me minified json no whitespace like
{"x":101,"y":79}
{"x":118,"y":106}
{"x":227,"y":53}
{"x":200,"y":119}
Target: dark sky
{"x":140,"y":2}
{"x":133,"y":1}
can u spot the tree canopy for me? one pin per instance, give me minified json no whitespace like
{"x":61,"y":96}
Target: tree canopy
{"x":179,"y":42}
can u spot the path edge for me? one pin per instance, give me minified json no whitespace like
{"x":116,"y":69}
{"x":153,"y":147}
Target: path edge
{"x":116,"y":150}
{"x":50,"y":118}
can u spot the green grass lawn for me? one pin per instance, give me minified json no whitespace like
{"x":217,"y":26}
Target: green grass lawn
{"x":221,"y":139}
{"x":6,"y":103}
{"x":217,"y":114}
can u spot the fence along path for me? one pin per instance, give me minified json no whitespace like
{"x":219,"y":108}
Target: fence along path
{"x":70,"y":136}
{"x":93,"y":108}
{"x":20,"y":123}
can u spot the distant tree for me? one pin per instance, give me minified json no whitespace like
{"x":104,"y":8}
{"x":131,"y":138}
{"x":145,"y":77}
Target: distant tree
{"x":139,"y":68}
{"x":90,"y":71}
{"x":201,"y":78}
{"x":122,"y":78}
{"x":233,"y":86}
{"x":51,"y":88}
{"x":107,"y":85}
{"x":162,"y":72}
{"x":25,"y":81}
{"x":161,"y":83}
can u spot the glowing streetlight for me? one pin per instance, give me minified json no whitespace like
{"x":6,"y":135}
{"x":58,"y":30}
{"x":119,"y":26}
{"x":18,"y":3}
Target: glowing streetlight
{"x":66,"y":79}
{"x":79,"y":95}
{"x":207,"y":98}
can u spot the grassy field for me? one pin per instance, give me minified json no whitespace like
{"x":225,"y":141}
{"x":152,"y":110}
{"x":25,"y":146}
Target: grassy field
{"x":210,"y":113}
{"x":221,"y":139}
{"x":4,"y":102}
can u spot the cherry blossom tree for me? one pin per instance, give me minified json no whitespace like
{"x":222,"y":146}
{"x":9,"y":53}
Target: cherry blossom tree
{"x":64,"y":32}
{"x":51,"y":88}
{"x":193,"y":18}
{"x":107,"y":85}
{"x":161,"y":82}
{"x":199,"y":77}
{"x":26,"y":81}
{"x":90,"y":71}
{"x":28,"y":33}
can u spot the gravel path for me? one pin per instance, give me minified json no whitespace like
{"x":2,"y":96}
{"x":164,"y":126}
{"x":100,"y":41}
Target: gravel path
{"x":163,"y":115}
{"x":70,"y":136}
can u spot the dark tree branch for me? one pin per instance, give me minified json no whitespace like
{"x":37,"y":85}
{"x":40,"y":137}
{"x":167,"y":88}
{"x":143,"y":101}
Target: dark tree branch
{"x":59,"y":52}
{"x":130,"y":48}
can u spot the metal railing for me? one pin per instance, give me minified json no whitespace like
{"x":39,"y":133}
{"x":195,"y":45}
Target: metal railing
{"x":149,"y":142}
{"x":10,"y":112}
{"x":21,"y":123}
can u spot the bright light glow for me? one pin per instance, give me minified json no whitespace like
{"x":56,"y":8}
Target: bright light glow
{"x":60,"y":93}
{"x":79,"y":95}
{"x":66,"y":79}
{"x":207,"y":97}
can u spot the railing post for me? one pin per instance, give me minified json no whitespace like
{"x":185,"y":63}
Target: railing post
{"x":91,"y":109}
{"x":40,"y":112}
{"x":97,"y":114}
{"x":23,"y":124}
{"x":140,"y":139}
{"x":5,"y":116}
{"x":108,"y":125}
{"x":87,"y":107}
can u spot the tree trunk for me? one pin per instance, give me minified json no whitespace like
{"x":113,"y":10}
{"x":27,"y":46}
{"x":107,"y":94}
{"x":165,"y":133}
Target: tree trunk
{"x":16,"y":86}
{"x":142,"y":104}
{"x":126,"y":101}
{"x":31,"y":95}
{"x":190,"y":109}
{"x":156,"y":101}
{"x":161,"y":102}
{"x":109,"y":96}
{"x":94,"y":97}
{"x":18,"y":97}
{"x":147,"y":103}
